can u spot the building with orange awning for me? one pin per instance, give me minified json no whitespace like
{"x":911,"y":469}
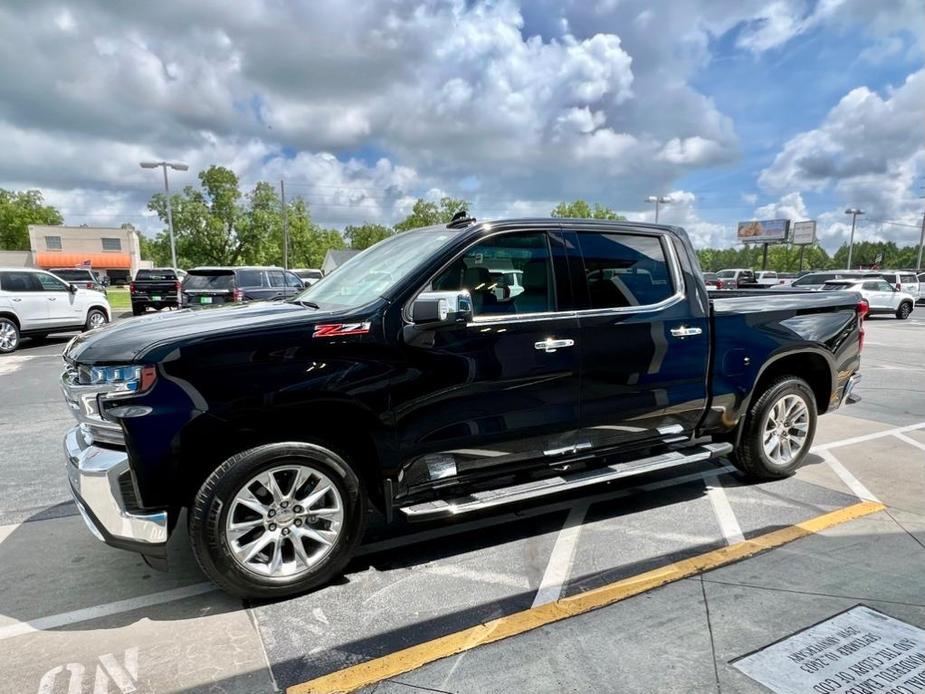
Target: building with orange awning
{"x":115,"y":253}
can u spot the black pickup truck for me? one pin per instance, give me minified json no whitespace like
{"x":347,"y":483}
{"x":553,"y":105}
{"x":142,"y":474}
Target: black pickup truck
{"x":443,"y":371}
{"x":155,"y":288}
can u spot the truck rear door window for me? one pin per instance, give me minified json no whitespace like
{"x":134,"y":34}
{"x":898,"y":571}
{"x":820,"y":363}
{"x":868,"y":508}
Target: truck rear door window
{"x":624,"y":269}
{"x":252,"y":278}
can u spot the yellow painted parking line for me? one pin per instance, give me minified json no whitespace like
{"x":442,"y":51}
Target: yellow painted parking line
{"x":411,"y":658}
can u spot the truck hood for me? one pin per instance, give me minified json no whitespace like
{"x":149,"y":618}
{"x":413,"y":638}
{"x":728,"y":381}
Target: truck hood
{"x":133,"y":339}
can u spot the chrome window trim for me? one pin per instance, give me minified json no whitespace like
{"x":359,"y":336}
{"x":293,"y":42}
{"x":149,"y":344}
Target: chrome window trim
{"x":668,"y":246}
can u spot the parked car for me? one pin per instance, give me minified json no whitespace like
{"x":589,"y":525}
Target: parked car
{"x":787,"y":278}
{"x":902,"y":280}
{"x":156,"y":288}
{"x":208,"y":286}
{"x":34,"y":303}
{"x":736,"y":278}
{"x":80,"y":277}
{"x":308,"y":275}
{"x":881,"y":296}
{"x":816,"y":280}
{"x":712,"y":281}
{"x":767,"y":278}
{"x":402,"y":382}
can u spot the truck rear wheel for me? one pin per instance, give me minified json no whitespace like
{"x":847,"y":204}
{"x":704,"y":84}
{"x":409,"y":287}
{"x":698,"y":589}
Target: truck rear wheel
{"x":778,"y":430}
{"x":277,"y":520}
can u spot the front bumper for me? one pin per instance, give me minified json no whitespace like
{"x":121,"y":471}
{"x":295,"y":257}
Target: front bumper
{"x":94,"y":474}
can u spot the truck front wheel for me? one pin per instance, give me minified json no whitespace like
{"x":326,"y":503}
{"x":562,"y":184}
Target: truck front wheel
{"x":778,"y":430}
{"x":277,"y":520}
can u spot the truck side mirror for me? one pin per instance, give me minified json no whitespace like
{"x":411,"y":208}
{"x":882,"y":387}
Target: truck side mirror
{"x":71,"y":288}
{"x":436,"y":309}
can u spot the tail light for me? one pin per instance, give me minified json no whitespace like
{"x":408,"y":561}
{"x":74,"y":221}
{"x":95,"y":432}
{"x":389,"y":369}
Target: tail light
{"x":237,"y":295}
{"x":131,"y":288}
{"x":178,"y":287}
{"x":89,"y":285}
{"x":863,"y":310}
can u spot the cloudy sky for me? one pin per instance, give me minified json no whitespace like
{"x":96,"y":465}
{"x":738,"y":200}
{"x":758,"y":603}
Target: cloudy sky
{"x":736,"y":109}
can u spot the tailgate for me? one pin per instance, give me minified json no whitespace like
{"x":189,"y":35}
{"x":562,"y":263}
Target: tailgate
{"x":156,"y":289}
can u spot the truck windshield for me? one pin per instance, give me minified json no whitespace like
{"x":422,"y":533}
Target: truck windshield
{"x":373,"y":272}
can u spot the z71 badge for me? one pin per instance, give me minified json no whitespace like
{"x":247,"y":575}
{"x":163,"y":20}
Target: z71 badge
{"x":338,"y":329}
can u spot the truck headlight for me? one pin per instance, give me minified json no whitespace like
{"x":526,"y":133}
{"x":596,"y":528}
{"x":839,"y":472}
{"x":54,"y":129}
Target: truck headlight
{"x":122,"y":379}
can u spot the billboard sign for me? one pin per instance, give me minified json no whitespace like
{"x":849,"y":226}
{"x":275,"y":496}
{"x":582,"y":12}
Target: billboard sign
{"x":804,"y":233}
{"x":768,"y":231}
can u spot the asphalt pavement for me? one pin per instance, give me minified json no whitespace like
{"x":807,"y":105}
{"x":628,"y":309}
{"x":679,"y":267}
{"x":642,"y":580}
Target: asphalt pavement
{"x":568,"y":580}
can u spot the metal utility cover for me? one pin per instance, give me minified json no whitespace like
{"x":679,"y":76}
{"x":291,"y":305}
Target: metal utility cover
{"x":854,"y":652}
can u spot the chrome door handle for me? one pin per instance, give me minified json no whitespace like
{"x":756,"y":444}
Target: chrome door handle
{"x":550,"y":345}
{"x":684,"y":331}
{"x":17,"y":299}
{"x":52,"y":298}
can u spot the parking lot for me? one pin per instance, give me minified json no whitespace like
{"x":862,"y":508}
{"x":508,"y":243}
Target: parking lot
{"x":652,"y":584}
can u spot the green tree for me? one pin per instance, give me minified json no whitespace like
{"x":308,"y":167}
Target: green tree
{"x":17,"y":211}
{"x":217,"y":224}
{"x":580,"y":209}
{"x":426,"y":213}
{"x":308,"y":242}
{"x":365,"y":235}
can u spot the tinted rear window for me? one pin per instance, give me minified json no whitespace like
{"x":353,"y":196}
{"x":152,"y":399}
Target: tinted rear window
{"x":74,"y":275}
{"x":816,"y":278}
{"x":624,"y":269}
{"x":908,"y":278}
{"x":156,"y":275}
{"x":209,"y":280}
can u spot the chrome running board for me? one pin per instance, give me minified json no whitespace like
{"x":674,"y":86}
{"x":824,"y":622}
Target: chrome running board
{"x":490,"y":498}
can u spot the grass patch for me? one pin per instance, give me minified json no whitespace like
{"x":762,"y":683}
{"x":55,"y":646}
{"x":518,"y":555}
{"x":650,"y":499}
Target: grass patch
{"x":119,"y":298}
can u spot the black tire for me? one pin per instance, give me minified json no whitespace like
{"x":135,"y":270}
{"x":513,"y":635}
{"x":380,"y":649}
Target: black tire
{"x":10,"y":333}
{"x":750,"y":456}
{"x":213,"y":502}
{"x":904,"y":310}
{"x":91,"y":314}
{"x":138,"y":310}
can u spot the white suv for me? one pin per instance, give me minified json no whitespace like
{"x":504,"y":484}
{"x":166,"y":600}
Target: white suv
{"x":882,"y":297}
{"x":35,"y":303}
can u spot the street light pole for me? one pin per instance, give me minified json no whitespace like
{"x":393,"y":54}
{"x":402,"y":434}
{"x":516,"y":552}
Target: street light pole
{"x":854,"y":212}
{"x":658,"y":199}
{"x":918,"y":263}
{"x":176,"y":166}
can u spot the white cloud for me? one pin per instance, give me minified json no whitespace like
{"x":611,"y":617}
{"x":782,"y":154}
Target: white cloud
{"x":868,"y":151}
{"x":790,"y":206}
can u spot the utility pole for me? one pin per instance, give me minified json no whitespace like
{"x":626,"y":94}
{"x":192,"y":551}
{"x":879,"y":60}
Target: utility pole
{"x":282,"y":197}
{"x":854,"y":212}
{"x":176,"y":166}
{"x":658,"y":200}
{"x":918,"y":263}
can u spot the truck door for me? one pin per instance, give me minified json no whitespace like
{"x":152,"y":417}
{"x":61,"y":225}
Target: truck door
{"x":503,"y":389}
{"x":643,"y":348}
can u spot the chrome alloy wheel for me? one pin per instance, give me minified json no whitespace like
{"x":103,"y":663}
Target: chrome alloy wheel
{"x":97,"y":319}
{"x":785,"y":429}
{"x":284,"y":521}
{"x":8,"y":336}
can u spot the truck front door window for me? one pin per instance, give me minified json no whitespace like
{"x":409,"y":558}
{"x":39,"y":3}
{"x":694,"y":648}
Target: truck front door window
{"x":509,"y":274}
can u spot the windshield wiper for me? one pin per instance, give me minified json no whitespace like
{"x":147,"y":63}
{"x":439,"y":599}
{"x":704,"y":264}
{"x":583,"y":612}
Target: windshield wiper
{"x":306,"y":302}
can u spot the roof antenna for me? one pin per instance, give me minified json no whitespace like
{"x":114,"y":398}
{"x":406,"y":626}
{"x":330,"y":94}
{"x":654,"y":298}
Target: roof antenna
{"x":460,"y":219}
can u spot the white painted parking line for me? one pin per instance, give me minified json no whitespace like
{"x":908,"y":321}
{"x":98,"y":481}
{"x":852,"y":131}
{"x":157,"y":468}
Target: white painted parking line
{"x":56,"y":621}
{"x":852,"y":482}
{"x":561,"y":557}
{"x":911,"y":441}
{"x":728,"y":523}
{"x":820,"y":449}
{"x":7,"y":530}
